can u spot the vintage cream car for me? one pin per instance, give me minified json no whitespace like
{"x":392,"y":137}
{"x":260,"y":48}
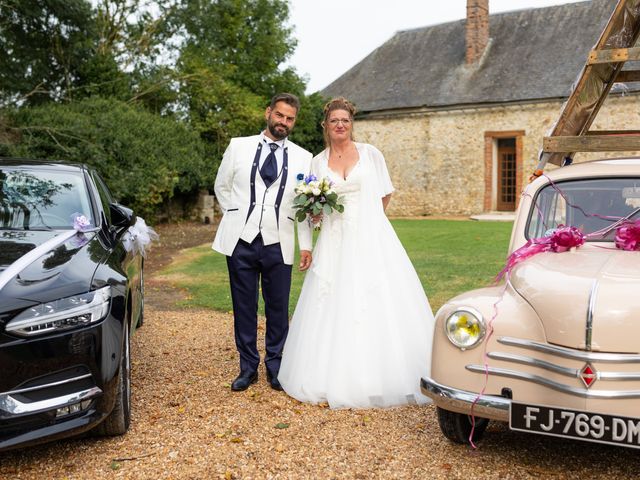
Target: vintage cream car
{"x":555,"y":349}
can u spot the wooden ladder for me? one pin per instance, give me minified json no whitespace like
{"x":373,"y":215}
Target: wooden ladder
{"x":603,"y":68}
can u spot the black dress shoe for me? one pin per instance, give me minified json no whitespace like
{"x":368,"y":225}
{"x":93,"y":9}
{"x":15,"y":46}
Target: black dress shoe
{"x":273,"y":381}
{"x":244,"y":380}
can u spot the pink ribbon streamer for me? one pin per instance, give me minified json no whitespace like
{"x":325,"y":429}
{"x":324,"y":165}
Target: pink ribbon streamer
{"x":485,"y":358}
{"x":561,"y":240}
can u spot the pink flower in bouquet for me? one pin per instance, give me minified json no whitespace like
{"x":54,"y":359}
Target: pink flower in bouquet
{"x":628,"y":236}
{"x":565,"y":238}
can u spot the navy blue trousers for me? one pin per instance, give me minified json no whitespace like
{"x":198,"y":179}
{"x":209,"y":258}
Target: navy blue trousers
{"x":250,"y":265}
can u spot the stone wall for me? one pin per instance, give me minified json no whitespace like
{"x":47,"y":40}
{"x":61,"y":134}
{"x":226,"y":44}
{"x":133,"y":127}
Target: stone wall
{"x":403,"y":141}
{"x":437,"y":159}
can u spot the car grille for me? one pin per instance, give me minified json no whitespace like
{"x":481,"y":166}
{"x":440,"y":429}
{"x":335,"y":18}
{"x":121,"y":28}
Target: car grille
{"x":555,"y":360}
{"x":48,"y":392}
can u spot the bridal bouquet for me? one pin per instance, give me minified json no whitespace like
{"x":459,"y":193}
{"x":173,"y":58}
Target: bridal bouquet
{"x":314,"y":197}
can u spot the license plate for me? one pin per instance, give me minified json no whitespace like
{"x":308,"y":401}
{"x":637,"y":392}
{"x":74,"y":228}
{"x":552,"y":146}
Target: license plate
{"x":563,"y":422}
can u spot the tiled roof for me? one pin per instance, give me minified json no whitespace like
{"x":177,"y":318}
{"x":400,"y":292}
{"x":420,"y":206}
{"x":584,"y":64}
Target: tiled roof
{"x":533,"y":54}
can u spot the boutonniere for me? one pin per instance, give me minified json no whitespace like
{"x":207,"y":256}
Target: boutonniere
{"x":300,"y":176}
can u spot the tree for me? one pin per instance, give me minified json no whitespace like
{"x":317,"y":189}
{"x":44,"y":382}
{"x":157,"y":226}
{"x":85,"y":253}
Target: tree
{"x":146,"y":159}
{"x":44,"y":43}
{"x":246,"y":40}
{"x":61,"y":50}
{"x":148,"y":91}
{"x":128,"y":49}
{"x":229,"y":65}
{"x":308,"y":131}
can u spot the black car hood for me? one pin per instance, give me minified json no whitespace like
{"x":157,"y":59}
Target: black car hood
{"x":16,"y":243}
{"x":63,"y":271}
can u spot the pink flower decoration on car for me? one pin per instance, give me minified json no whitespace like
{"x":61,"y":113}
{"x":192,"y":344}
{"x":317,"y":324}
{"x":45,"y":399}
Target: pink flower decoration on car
{"x":565,"y":238}
{"x":561,"y":239}
{"x":80,"y":222}
{"x":628,"y":236}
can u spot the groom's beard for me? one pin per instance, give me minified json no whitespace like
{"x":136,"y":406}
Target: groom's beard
{"x":278,"y":130}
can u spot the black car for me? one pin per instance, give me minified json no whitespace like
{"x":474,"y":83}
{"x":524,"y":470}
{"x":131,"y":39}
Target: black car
{"x":71,"y":295}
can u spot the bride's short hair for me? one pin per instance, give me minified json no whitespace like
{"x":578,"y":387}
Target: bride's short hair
{"x":337,"y":103}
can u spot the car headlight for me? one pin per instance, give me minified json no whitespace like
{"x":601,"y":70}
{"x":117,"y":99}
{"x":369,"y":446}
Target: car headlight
{"x":465,"y":328}
{"x":62,"y":314}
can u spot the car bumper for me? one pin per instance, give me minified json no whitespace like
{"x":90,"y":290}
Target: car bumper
{"x":58,"y":386}
{"x":461,"y":401}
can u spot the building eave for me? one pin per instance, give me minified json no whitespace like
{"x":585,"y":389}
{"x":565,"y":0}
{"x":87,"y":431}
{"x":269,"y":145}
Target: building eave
{"x":463,"y":107}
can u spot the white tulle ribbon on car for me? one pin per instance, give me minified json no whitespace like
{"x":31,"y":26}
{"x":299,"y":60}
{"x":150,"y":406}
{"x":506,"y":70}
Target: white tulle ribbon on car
{"x":138,"y":237}
{"x":28,"y":258}
{"x":77,"y":236}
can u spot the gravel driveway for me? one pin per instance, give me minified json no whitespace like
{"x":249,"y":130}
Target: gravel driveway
{"x":187,"y":423}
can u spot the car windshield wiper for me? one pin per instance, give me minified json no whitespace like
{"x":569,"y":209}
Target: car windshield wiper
{"x":39,"y":229}
{"x":28,"y":229}
{"x":614,"y":225}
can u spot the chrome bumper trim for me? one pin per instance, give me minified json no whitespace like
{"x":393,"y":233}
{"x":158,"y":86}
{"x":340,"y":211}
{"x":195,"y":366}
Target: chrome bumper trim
{"x":48,"y":385}
{"x":534,"y":362}
{"x":461,"y":401}
{"x":570,"y":353}
{"x":580,"y":392}
{"x":566,"y":371}
{"x":11,"y":406}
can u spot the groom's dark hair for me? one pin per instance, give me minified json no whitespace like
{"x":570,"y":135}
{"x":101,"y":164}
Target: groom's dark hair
{"x":288,"y":98}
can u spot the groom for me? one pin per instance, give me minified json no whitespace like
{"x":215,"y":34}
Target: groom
{"x":255,"y":189}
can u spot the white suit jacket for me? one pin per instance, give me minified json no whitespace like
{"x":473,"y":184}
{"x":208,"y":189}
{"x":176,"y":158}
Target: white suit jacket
{"x":233,"y":192}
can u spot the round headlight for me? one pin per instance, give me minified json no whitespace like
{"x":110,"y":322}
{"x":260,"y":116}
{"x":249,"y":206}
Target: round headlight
{"x":465,"y":328}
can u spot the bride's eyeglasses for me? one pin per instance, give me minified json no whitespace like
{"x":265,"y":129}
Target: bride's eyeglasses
{"x":334,"y":122}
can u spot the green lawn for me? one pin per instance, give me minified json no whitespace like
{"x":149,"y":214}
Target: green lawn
{"x":450,"y":257}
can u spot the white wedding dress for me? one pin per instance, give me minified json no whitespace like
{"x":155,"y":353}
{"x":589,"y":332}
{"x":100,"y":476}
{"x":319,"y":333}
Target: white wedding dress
{"x":361,"y":332}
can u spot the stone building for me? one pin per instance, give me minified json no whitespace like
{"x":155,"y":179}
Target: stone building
{"x":460,"y":109}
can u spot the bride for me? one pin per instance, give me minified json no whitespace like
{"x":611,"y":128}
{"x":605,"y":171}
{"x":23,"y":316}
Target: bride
{"x":361,"y":332}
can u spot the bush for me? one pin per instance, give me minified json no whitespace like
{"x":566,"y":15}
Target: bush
{"x":144,"y":158}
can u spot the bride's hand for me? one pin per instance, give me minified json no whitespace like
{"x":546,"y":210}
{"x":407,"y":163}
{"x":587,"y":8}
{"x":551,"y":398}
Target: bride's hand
{"x":305,"y":260}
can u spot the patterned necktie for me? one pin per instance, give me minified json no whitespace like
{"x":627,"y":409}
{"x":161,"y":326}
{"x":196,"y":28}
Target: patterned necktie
{"x":269,"y":170}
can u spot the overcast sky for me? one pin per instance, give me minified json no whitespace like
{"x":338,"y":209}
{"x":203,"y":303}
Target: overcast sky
{"x":334,"y":35}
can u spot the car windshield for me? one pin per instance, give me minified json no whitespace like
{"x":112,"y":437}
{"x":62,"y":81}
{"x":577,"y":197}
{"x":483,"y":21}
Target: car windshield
{"x":33,"y":199}
{"x":590,"y":205}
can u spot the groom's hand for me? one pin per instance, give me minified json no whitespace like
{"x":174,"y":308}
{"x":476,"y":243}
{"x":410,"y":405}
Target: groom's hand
{"x":305,"y":260}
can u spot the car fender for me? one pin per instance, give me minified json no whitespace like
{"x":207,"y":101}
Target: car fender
{"x":499,"y":305}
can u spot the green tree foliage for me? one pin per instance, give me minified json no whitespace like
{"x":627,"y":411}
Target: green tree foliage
{"x":127,"y":51}
{"x":246,"y":40}
{"x":307,"y":131}
{"x":44,"y":42}
{"x":149,"y":91}
{"x":144,"y":158}
{"x":230,"y":66}
{"x":69,"y":49}
{"x":216,"y":107}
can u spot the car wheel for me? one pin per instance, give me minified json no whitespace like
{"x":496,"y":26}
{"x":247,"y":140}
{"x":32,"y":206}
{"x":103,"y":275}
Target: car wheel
{"x":141,"y":313}
{"x":457,"y":426}
{"x":119,"y":419}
